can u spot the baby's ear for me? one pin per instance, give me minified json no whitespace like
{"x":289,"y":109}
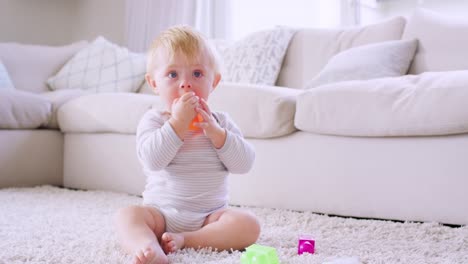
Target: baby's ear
{"x":216,"y":80}
{"x":151,"y":82}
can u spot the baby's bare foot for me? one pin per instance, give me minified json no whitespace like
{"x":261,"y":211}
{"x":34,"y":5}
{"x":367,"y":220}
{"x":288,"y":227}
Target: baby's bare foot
{"x":171,"y":242}
{"x":151,"y":254}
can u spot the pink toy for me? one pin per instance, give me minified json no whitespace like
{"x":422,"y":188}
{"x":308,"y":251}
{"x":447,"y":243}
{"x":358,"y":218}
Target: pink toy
{"x":306,"y":245}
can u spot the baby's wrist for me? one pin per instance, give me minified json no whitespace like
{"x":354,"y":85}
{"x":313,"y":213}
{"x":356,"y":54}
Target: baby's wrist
{"x":218,"y":137}
{"x":178,"y":126}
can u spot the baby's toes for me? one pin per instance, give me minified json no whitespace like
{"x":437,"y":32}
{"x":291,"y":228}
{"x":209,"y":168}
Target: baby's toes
{"x":139,"y":258}
{"x":149,"y":255}
{"x":171,"y":246}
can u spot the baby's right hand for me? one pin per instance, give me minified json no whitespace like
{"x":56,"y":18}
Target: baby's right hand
{"x":183,"y":108}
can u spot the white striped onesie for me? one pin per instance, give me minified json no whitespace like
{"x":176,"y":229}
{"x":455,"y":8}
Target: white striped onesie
{"x":187,"y":180}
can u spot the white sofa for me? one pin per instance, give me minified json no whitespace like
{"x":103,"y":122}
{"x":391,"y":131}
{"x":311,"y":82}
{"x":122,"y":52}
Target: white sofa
{"x":298,"y":166}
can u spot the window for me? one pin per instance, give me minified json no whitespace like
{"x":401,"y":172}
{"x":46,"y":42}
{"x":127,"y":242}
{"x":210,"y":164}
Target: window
{"x":247,"y":16}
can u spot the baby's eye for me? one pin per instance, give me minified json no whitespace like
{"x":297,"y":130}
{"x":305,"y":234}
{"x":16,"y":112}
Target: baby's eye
{"x":197,"y":74}
{"x":172,"y":74}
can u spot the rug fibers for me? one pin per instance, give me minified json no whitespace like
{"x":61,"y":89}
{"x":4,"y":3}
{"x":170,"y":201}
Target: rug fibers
{"x":54,"y":225}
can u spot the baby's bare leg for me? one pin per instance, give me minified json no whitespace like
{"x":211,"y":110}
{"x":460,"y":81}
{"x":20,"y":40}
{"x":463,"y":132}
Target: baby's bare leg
{"x":138,"y":230}
{"x":223,"y":230}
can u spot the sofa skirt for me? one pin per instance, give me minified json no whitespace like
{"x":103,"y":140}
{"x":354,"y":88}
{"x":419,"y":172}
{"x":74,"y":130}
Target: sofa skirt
{"x":31,"y":157}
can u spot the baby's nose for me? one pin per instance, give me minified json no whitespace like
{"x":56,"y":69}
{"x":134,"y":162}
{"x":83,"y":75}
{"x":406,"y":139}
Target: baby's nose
{"x":186,"y":86}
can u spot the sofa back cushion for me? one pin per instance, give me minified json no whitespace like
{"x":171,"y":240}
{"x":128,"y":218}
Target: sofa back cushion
{"x":443,"y":42}
{"x":29,"y":66}
{"x":310,"y":49}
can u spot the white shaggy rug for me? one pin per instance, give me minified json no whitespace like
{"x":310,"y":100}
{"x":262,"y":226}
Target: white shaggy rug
{"x":53,"y":225}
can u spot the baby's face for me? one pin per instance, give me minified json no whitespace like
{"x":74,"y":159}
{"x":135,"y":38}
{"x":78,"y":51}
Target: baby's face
{"x":175,"y":76}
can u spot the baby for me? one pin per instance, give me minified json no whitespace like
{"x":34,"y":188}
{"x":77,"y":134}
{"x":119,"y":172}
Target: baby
{"x":187,"y":152}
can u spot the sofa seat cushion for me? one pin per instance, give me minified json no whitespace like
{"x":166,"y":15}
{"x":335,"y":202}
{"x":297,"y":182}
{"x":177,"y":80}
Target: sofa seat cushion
{"x":23,"y":110}
{"x":5,"y":81}
{"x":260,"y":111}
{"x":433,"y":103}
{"x":105,"y":112}
{"x":57,"y":99}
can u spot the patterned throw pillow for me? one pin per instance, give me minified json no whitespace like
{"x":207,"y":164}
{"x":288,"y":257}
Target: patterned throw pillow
{"x":257,"y":58}
{"x":5,"y":81}
{"x":101,"y":67}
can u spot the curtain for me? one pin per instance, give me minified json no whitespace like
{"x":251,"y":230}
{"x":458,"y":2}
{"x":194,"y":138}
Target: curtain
{"x":145,"y":19}
{"x":350,"y":12}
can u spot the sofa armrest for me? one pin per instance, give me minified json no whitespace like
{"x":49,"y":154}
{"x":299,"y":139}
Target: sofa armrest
{"x":260,"y":111}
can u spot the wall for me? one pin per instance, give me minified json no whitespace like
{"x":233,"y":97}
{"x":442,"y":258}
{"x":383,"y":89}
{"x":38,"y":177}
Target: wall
{"x":100,"y":17}
{"x":60,"y":22}
{"x":38,"y":22}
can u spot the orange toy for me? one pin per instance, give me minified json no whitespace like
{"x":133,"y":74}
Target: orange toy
{"x":197,"y":119}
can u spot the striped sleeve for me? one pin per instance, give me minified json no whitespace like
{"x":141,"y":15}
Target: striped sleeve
{"x":236,"y":154}
{"x":157,"y":143}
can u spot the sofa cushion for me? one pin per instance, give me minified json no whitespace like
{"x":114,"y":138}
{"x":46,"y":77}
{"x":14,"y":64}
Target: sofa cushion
{"x":378,"y":60}
{"x":433,"y":103}
{"x":57,"y":99}
{"x":102,"y":67}
{"x":105,"y":112}
{"x":443,"y":42}
{"x":29,"y":66}
{"x":5,"y":81}
{"x":260,"y":111}
{"x":310,"y":49}
{"x":23,"y":110}
{"x":145,"y":89}
{"x":257,"y":58}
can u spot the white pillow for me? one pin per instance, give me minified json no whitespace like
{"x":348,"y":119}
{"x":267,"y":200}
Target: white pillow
{"x":384,"y":59}
{"x":102,"y":67}
{"x":23,"y":110}
{"x":5,"y":81}
{"x":257,"y":58}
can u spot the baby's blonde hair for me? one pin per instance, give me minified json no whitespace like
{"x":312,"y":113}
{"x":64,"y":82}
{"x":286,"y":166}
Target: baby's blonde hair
{"x":182,"y":39}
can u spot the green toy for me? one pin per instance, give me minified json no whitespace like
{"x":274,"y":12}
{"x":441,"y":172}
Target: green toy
{"x":256,"y":254}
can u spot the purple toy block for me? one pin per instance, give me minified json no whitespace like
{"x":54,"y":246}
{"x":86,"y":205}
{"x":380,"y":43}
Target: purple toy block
{"x":306,"y":245}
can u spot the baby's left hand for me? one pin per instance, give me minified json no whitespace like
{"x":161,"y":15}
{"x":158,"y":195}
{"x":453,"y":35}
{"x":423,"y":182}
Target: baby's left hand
{"x":210,"y":126}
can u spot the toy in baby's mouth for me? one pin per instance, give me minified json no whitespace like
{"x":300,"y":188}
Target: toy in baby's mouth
{"x":197,"y":119}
